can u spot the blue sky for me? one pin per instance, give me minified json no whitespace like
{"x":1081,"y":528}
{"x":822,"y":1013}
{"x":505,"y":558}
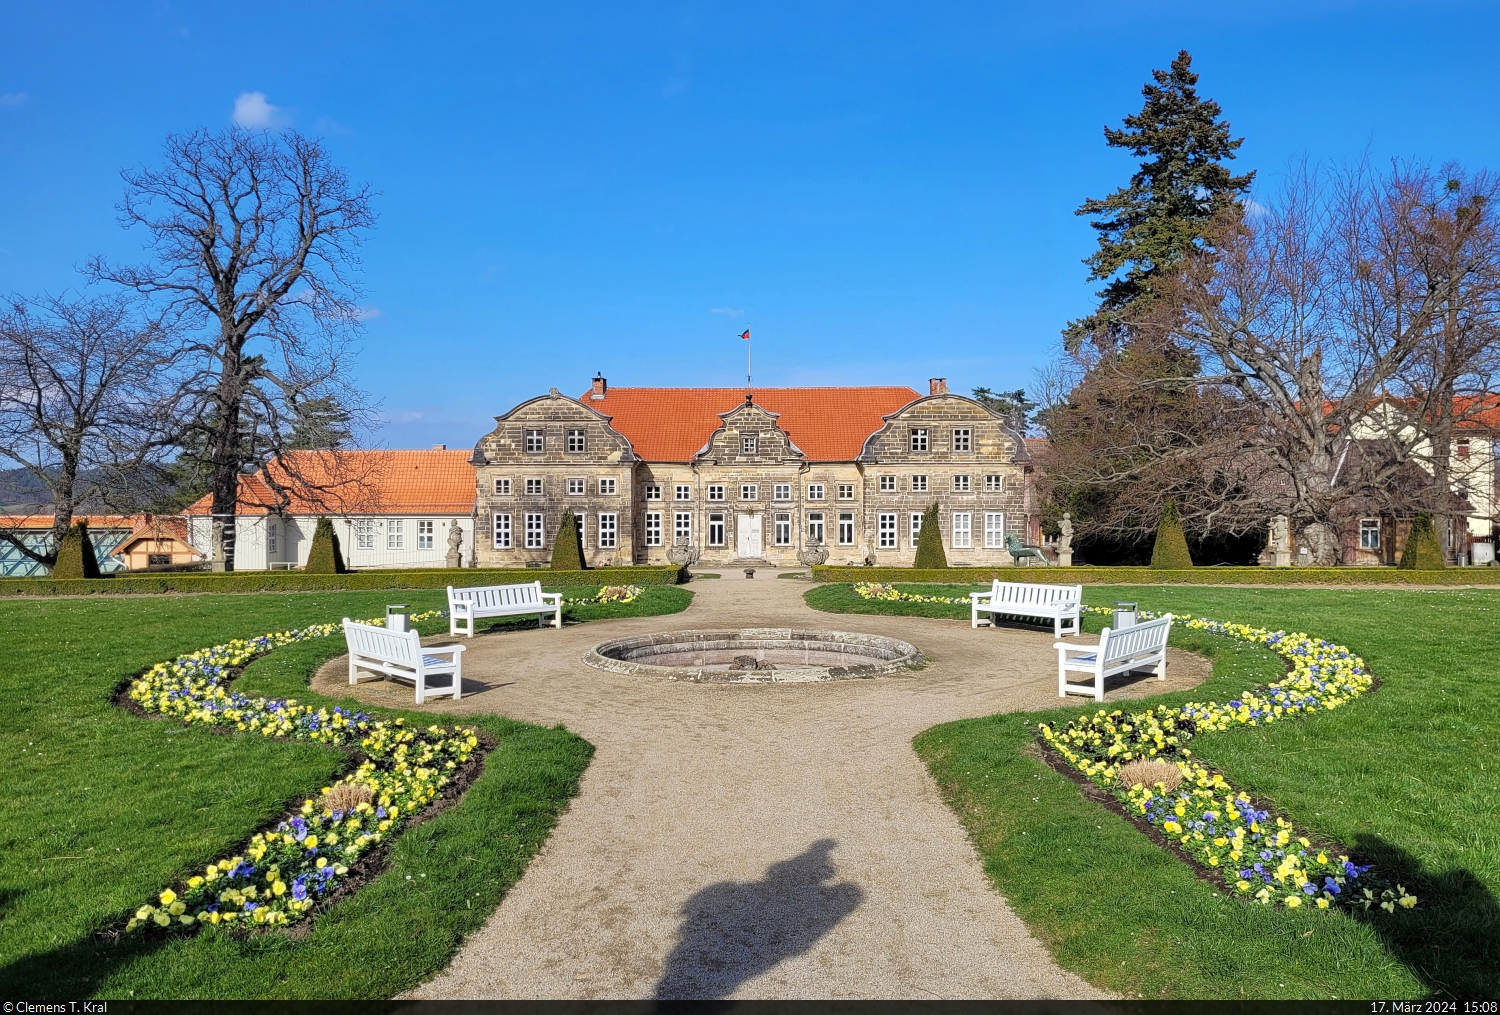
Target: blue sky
{"x":881,"y":192}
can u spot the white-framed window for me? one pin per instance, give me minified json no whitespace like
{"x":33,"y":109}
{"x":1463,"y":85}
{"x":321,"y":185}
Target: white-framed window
{"x":682,"y":527}
{"x":815,"y":527}
{"x":578,"y":523}
{"x":963,"y":439}
{"x":846,"y":491}
{"x":653,"y":528}
{"x":749,"y":491}
{"x":961,"y":532}
{"x":716,"y":529}
{"x":273,"y":530}
{"x":395,"y":534}
{"x":994,"y":530}
{"x":960,"y":484}
{"x":536,"y":442}
{"x":577,"y":441}
{"x":653,"y":491}
{"x":575,"y":488}
{"x":782,"y":532}
{"x":535,"y":533}
{"x":716,"y":491}
{"x":1460,"y":448}
{"x":814,"y":491}
{"x":425,"y":532}
{"x":684,"y":491}
{"x":994,"y":484}
{"x":748,"y":443}
{"x":916,"y":527}
{"x":502,"y":530}
{"x":533,"y":487}
{"x":887,"y":484}
{"x":608,"y":529}
{"x":606,"y":486}
{"x":886,"y":525}
{"x":781,"y":491}
{"x":365,"y":532}
{"x":502,"y":488}
{"x":846,"y":529}
{"x":919,"y":484}
{"x":919,"y":439}
{"x":1369,"y":533}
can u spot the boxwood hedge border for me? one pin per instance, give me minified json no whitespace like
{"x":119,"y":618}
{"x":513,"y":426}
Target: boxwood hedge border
{"x":297,"y":581}
{"x":1326,"y":576}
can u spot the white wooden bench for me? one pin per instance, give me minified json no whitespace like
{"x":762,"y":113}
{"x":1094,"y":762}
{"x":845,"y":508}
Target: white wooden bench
{"x":1060,"y":604}
{"x":399,"y":654}
{"x":467,"y":605}
{"x":1142,"y":647}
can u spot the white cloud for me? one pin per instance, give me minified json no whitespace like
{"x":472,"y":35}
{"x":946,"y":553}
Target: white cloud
{"x":367,"y":313}
{"x":727,"y":311}
{"x":253,"y":112}
{"x":1254,"y":209}
{"x":13,"y":98}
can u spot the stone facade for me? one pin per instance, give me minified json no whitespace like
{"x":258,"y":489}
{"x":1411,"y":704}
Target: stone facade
{"x":750,"y":495}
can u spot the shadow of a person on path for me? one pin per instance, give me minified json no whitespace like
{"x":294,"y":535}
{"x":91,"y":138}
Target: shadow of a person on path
{"x":734,"y":930}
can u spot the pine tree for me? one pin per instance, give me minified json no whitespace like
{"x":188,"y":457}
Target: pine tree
{"x":1423,"y":552}
{"x":1171,"y":549}
{"x":1147,"y":226}
{"x":930,"y":541}
{"x":567,"y":550}
{"x":325,"y":556}
{"x":75,"y":554}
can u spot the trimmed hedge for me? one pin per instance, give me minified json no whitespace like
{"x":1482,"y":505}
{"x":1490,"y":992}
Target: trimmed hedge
{"x":930,"y":541}
{"x":1423,"y":551}
{"x":567,"y":548}
{"x":300,"y":581}
{"x":325,"y":556}
{"x":75,"y":554}
{"x":1456,"y":576}
{"x":1170,"y":552}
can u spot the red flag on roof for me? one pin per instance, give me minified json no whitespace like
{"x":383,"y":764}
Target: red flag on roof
{"x":746,"y":335}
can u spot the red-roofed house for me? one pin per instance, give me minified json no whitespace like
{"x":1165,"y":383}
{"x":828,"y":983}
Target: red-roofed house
{"x":753,"y":476}
{"x":390,"y":508}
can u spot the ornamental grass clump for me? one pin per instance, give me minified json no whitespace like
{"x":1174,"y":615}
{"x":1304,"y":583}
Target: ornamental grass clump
{"x":1258,"y":856}
{"x":284,"y":871}
{"x":1150,"y":773}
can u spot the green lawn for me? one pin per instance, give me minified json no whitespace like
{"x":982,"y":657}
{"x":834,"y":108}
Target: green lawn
{"x":1406,"y":776}
{"x":103,"y":809}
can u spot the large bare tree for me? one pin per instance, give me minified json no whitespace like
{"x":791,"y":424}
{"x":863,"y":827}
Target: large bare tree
{"x":84,"y":388}
{"x":254,"y":238}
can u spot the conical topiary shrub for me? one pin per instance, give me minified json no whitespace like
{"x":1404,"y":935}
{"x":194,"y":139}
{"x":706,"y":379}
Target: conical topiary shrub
{"x":1171,"y":549}
{"x":1423,"y":552}
{"x":324,"y":556}
{"x":567,"y":549}
{"x":930,"y":541}
{"x":75,"y":554}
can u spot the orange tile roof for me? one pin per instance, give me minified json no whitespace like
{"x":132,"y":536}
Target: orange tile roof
{"x":359,"y":482}
{"x":45,"y":521}
{"x":673,"y":424}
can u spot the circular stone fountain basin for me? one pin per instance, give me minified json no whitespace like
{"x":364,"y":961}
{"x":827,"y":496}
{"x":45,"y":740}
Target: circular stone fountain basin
{"x":755,"y":655}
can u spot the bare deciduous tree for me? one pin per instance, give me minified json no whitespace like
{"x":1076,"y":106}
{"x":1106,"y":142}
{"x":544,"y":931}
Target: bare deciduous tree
{"x":254,"y":237}
{"x":83,"y":395}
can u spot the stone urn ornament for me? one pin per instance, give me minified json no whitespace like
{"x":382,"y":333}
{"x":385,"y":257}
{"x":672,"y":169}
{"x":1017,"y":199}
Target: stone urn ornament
{"x":683,"y":555}
{"x":814,"y":555}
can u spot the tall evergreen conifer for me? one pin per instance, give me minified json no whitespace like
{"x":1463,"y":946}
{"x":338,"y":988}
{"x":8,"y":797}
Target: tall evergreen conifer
{"x":1148,"y":225}
{"x":930,"y":541}
{"x":75,"y":554}
{"x":567,"y":550}
{"x":1171,"y":549}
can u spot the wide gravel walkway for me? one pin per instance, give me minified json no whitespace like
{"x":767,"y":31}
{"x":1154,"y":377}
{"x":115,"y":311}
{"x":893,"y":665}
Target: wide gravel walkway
{"x":755,"y":841}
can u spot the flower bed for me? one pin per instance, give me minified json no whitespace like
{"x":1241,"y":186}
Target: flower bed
{"x":890,"y":594}
{"x":283,"y":872}
{"x":611,"y":594}
{"x":1258,"y":855}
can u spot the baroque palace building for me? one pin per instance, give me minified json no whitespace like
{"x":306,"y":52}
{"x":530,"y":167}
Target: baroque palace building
{"x":750,"y":476}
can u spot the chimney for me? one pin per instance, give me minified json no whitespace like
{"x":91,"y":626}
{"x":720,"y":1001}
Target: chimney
{"x":937,"y":385}
{"x":440,"y":447}
{"x":600,"y":387}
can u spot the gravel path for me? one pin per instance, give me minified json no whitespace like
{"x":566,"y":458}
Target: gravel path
{"x":761,"y":841}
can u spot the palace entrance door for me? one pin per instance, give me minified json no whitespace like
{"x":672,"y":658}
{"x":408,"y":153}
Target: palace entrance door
{"x":748,"y":531}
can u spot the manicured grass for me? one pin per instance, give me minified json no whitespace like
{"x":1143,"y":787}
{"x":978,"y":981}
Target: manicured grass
{"x":104,"y":808}
{"x":1406,"y":776}
{"x":840,"y":598}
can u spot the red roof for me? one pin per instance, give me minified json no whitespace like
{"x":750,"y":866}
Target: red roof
{"x":673,"y":424}
{"x":359,"y":482}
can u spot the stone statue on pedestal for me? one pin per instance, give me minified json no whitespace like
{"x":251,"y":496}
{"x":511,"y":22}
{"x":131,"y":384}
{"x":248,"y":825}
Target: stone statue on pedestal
{"x":1281,"y":542}
{"x":455,"y":556}
{"x":1065,"y":541}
